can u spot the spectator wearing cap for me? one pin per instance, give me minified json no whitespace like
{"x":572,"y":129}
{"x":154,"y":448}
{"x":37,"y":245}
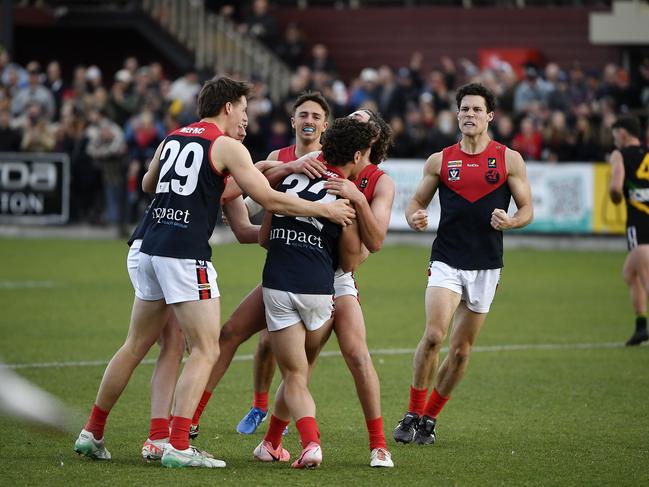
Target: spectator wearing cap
{"x":532,"y":89}
{"x":365,"y":89}
{"x":122,"y":102}
{"x":34,"y":92}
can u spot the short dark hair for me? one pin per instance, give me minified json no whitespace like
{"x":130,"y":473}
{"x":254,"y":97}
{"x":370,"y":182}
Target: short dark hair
{"x":384,"y":140}
{"x":344,"y":137}
{"x":478,"y":90}
{"x":217,"y":92}
{"x":629,"y":123}
{"x":314,"y":96}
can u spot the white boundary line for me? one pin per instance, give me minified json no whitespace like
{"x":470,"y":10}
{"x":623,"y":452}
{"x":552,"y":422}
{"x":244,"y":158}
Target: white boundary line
{"x":376,"y":352}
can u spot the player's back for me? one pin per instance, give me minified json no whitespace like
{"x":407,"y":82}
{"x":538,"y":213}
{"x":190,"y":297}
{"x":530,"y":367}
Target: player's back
{"x":636,"y":184}
{"x":188,"y":193}
{"x":302,"y":250}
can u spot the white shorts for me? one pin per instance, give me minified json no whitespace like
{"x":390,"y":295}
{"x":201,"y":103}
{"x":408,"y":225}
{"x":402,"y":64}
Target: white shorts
{"x":344,"y":284}
{"x":175,"y":280}
{"x":476,"y":287}
{"x":132,"y":261}
{"x":284,"y":309}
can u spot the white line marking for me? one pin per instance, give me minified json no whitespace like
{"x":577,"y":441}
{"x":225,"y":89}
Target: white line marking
{"x":334,"y":353}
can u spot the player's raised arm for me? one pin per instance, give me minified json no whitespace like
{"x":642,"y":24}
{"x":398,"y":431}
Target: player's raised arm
{"x":617,"y":177}
{"x":519,"y":186}
{"x":416,"y":214}
{"x":227,"y":154}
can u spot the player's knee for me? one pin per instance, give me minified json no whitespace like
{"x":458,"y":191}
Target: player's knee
{"x":358,"y":358}
{"x":433,"y":337}
{"x":460,"y":355}
{"x":264,"y":347}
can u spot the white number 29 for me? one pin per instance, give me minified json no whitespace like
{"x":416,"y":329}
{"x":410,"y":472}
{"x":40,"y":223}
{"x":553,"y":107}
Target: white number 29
{"x":172,"y":156}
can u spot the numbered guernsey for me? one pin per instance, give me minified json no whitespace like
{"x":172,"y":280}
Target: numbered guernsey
{"x":302,"y":250}
{"x":187,"y":195}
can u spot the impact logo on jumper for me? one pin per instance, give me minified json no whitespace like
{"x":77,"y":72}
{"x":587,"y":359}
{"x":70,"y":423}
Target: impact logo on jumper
{"x":492,"y":176}
{"x":454,"y":163}
{"x":491,"y":162}
{"x":454,"y":174}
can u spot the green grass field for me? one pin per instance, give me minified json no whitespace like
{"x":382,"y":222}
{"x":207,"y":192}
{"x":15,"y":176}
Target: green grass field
{"x":571,"y":415}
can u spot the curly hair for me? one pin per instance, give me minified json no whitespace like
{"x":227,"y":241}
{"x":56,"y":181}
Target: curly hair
{"x":344,"y":137}
{"x":477,"y":89}
{"x":384,"y":140}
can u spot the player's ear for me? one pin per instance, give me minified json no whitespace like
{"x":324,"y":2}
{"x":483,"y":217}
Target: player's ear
{"x":228,"y":107}
{"x":490,"y":116}
{"x":293,"y":122}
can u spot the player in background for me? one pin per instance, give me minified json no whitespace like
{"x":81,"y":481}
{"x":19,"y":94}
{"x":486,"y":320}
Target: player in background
{"x":309,"y":120}
{"x":298,"y":289}
{"x":174,"y":266}
{"x":630,"y":180}
{"x":476,"y":179}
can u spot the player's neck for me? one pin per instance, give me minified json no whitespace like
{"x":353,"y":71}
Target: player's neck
{"x":631,"y":142}
{"x":474,"y":144}
{"x":303,"y":148}
{"x":218,"y":121}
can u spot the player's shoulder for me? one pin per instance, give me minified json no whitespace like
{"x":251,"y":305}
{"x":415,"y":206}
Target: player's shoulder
{"x":434,"y":163}
{"x":513,"y":160}
{"x":273,"y":156}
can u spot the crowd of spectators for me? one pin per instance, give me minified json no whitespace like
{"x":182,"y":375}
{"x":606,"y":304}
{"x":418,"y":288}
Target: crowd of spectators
{"x":111,"y":123}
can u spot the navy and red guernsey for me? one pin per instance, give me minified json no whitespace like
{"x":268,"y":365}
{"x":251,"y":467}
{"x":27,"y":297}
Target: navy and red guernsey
{"x":302,"y":251}
{"x":188,"y":194}
{"x":367,"y":179}
{"x":288,"y":154}
{"x":471,"y":187}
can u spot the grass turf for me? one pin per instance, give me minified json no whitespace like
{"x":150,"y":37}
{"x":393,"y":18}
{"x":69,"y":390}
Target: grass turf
{"x":520,"y":417}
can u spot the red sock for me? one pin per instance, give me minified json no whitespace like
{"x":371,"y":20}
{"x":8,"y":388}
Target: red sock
{"x":201,"y":406}
{"x":377,"y":437}
{"x":435,"y":404}
{"x":417,"y":400}
{"x":159,"y":429}
{"x":97,"y":422}
{"x":308,"y":428}
{"x":179,"y":436}
{"x":275,"y":430}
{"x":260,"y":400}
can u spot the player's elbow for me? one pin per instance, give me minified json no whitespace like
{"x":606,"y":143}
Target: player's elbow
{"x":374,"y":245}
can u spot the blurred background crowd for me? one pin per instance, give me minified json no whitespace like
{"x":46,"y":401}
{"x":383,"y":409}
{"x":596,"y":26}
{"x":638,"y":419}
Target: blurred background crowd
{"x":110,"y":123}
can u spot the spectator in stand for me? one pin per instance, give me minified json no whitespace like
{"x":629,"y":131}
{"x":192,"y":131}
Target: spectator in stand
{"x":85,"y":201}
{"x":34,"y":92}
{"x":387,"y":91}
{"x":7,"y":67}
{"x":437,"y":87}
{"x":560,"y":97}
{"x":403,"y":146}
{"x":292,"y":49}
{"x":443,"y":134}
{"x":107,"y":149}
{"x":261,"y":24}
{"x":320,"y":60}
{"x":94,"y":79}
{"x":54,"y":83}
{"x":530,"y":90}
{"x":38,"y":133}
{"x":623,"y":95}
{"x":585,"y":147}
{"x":122,"y":102}
{"x":503,"y":129}
{"x":365,"y":89}
{"x":10,"y":138}
{"x":183,"y":93}
{"x":528,"y":140}
{"x":556,"y":139}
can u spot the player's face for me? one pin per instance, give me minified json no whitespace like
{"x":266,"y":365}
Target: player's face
{"x":618,"y":137}
{"x":309,"y":121}
{"x":238,"y":119}
{"x":472,"y":116}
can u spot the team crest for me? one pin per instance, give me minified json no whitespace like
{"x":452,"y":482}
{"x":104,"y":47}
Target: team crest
{"x":492,"y":176}
{"x":454,"y":163}
{"x":454,"y":174}
{"x":363,"y":184}
{"x":491,"y":162}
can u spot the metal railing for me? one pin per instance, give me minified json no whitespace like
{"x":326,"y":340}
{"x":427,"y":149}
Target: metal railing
{"x":218,"y":45}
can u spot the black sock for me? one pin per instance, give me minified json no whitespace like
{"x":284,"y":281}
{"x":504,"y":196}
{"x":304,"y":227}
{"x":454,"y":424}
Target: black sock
{"x":641,"y":322}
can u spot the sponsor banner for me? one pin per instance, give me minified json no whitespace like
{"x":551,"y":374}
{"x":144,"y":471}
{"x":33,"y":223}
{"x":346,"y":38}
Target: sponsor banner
{"x":34,"y":188}
{"x":568,"y":198}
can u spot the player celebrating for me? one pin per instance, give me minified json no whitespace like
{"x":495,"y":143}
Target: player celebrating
{"x":476,"y":179}
{"x":630,"y":178}
{"x":298,"y":289}
{"x":174,"y":266}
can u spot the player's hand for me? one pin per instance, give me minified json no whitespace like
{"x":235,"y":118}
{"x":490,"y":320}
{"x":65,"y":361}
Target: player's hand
{"x":500,"y":220}
{"x":345,"y":189}
{"x":309,"y":165}
{"x":340,"y":212}
{"x":419,"y":220}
